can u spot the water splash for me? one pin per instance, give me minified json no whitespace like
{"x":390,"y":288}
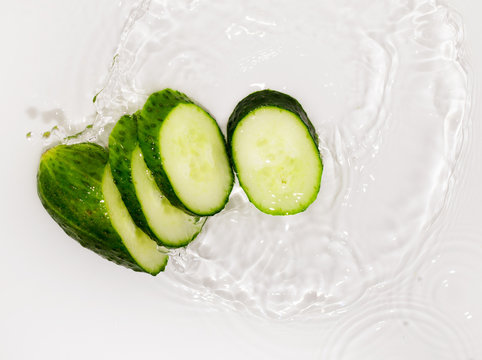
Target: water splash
{"x":385,"y":85}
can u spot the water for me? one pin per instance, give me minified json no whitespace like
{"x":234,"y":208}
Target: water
{"x":402,"y":330}
{"x":387,"y":88}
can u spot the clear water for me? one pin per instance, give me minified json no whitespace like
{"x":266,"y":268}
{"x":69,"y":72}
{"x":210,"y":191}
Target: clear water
{"x":387,"y":88}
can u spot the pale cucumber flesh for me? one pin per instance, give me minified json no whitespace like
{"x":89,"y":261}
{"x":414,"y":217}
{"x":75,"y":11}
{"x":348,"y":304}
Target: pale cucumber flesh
{"x":141,"y":247}
{"x":277,"y":161}
{"x":194,"y":157}
{"x":171,"y":225}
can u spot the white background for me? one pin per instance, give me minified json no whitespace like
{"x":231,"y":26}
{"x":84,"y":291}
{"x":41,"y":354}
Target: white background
{"x":59,"y":301}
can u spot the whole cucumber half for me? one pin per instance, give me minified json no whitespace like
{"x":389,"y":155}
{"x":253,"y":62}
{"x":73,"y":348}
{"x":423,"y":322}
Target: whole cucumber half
{"x":149,"y":208}
{"x":186,"y":152}
{"x":76,"y":188}
{"x":273,"y":147}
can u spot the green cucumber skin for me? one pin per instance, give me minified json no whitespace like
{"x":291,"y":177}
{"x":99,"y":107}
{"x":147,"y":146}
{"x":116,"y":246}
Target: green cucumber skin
{"x":155,"y":110}
{"x":69,"y":185}
{"x":122,"y":142}
{"x":267,"y":98}
{"x":256,"y":100}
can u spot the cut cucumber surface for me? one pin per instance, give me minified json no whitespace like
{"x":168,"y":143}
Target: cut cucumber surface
{"x":149,"y":208}
{"x":122,"y":142}
{"x":70,"y":183}
{"x":186,"y":152}
{"x":142,"y":248}
{"x":274,"y":149}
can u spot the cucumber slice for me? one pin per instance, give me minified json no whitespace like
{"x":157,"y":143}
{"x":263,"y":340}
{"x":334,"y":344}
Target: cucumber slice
{"x":70,"y":183}
{"x":140,"y":246}
{"x":149,"y":208}
{"x":274,"y":150}
{"x":122,"y":142}
{"x":186,"y":152}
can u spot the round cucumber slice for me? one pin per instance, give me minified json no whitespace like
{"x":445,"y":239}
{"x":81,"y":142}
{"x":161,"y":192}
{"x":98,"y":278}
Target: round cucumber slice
{"x":186,"y":153}
{"x":273,"y":147}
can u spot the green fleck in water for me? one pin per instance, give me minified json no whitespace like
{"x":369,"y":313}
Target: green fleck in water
{"x":47,"y":134}
{"x":114,"y":59}
{"x":95,"y":96}
{"x":90,"y":126}
{"x":29,"y":135}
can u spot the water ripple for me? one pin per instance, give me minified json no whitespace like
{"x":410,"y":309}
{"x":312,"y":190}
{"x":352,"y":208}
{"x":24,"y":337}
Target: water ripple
{"x":395,"y":329}
{"x":388,"y":90}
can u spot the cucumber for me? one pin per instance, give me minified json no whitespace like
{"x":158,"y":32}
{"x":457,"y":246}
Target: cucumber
{"x":140,"y":246}
{"x":75,"y":186}
{"x":186,"y":152}
{"x":273,"y":147}
{"x":149,"y":208}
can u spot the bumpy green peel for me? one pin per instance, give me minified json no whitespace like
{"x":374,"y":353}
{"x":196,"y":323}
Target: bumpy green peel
{"x":69,"y":184}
